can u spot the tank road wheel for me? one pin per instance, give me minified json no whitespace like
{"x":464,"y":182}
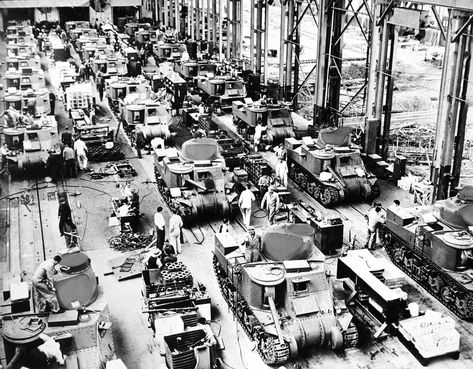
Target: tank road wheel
{"x":327,"y":197}
{"x":399,"y":256}
{"x":461,"y":304}
{"x":272,"y":351}
{"x":436,"y":284}
{"x":317,"y":191}
{"x":446,"y":295}
{"x":350,"y":336}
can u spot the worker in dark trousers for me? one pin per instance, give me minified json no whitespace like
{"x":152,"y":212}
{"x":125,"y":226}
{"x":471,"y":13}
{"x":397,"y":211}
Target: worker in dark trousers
{"x":160,"y":228}
{"x":66,"y":137}
{"x":100,"y":83}
{"x":52,"y":102}
{"x":139,"y":141}
{"x":169,"y":254}
{"x":65,"y":217}
{"x":69,"y":162}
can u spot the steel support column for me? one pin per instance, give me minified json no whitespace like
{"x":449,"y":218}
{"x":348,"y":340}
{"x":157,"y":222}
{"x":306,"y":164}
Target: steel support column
{"x":190,"y":14}
{"x":214,"y":23}
{"x":198,"y":19}
{"x":252,"y":35}
{"x":166,"y":14}
{"x":450,"y":124}
{"x":258,"y":31}
{"x":177,"y":15}
{"x":282,"y":47}
{"x":290,"y":26}
{"x":297,"y":53}
{"x":266,"y":44}
{"x":229,"y":28}
{"x":220,"y":38}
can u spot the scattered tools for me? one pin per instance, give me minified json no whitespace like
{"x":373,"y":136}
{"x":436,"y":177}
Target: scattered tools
{"x":125,"y":169}
{"x":99,"y":153}
{"x":104,"y":171}
{"x":127,"y":241}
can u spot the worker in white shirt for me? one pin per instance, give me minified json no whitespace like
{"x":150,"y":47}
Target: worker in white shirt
{"x":175,"y":226}
{"x":258,"y":134}
{"x":245,"y":203}
{"x":375,"y":217}
{"x":45,"y":355}
{"x":81,"y":153}
{"x":281,"y":171}
{"x":160,"y":227}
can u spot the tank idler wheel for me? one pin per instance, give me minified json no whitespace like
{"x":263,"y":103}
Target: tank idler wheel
{"x":399,"y":256}
{"x":272,"y":351}
{"x":436,"y":284}
{"x":461,"y":304}
{"x":350,"y":336}
{"x":326,"y":197}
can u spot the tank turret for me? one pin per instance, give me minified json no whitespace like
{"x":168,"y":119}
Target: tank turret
{"x":288,"y":242}
{"x":76,"y":282}
{"x":457,"y":211}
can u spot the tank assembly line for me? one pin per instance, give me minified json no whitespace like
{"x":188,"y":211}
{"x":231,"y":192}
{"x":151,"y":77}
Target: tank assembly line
{"x":145,"y":144}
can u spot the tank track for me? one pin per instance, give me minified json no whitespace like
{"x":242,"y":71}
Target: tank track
{"x":429,"y":275}
{"x":327,"y":196}
{"x":272,"y":351}
{"x":350,"y":336}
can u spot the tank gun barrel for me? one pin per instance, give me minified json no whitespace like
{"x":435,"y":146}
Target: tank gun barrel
{"x":275,"y":315}
{"x":194,"y":183}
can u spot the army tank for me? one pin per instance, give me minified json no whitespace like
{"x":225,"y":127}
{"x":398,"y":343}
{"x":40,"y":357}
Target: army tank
{"x":330,"y":169}
{"x":276,"y":118}
{"x":434,"y":246}
{"x":285,"y":302}
{"x":193,"y":180}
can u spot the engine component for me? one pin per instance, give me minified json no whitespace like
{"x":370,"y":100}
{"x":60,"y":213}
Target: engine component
{"x":330,"y":170}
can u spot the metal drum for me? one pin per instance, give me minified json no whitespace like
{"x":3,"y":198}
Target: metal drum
{"x":79,"y":283}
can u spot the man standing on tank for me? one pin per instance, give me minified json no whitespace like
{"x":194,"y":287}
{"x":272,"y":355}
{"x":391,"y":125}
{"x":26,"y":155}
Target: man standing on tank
{"x":252,"y":246}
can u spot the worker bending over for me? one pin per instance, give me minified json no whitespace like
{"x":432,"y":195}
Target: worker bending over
{"x":44,"y":291}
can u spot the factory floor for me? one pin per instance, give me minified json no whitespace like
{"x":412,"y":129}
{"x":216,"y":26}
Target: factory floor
{"x":134,"y":342}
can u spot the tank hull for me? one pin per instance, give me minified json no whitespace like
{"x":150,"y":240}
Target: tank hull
{"x":435,"y":256}
{"x":259,"y":293}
